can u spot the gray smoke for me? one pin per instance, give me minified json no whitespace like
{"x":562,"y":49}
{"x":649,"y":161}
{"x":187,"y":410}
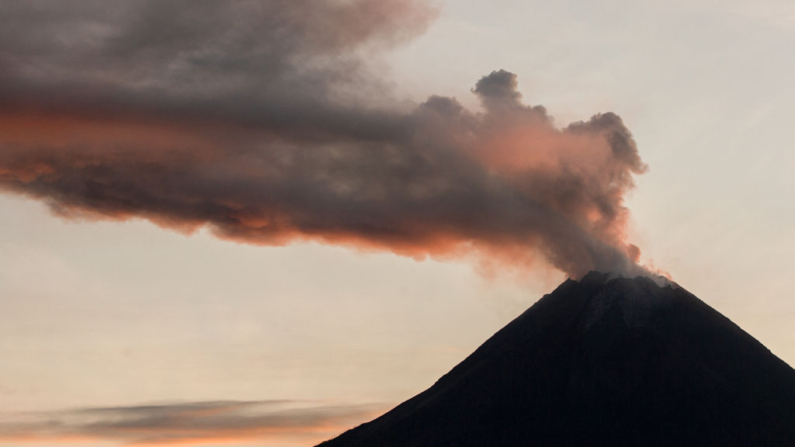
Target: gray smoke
{"x":264,"y":121}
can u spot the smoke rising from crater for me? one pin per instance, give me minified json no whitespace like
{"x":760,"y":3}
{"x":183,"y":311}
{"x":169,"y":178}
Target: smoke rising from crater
{"x":265,"y":122}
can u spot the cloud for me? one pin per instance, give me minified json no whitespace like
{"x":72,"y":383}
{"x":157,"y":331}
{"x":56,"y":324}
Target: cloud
{"x":266,"y":123}
{"x":193,"y":423}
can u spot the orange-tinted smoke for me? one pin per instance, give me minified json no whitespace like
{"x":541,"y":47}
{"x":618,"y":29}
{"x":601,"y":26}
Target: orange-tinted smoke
{"x":272,"y":135}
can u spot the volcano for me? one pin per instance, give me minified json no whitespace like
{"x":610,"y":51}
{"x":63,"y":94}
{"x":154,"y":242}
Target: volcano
{"x":604,"y":361}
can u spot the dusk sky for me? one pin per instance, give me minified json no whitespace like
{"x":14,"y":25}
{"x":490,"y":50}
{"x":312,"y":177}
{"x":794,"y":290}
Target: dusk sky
{"x":264,"y":222}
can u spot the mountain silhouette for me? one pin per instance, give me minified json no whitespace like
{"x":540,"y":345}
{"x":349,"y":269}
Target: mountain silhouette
{"x":603,"y":361}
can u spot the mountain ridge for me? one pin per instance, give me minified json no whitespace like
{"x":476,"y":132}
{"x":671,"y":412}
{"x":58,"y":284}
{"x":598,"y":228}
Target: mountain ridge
{"x":602,"y":361}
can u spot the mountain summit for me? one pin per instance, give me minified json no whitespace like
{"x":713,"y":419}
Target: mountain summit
{"x":603,"y":361}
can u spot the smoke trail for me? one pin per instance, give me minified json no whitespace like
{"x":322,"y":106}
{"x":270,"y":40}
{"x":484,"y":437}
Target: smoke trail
{"x":263,"y":122}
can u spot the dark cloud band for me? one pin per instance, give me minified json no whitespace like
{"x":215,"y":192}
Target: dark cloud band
{"x":192,"y":422}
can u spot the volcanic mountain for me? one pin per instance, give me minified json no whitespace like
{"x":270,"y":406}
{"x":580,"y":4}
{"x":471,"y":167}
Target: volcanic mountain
{"x":603,"y":361}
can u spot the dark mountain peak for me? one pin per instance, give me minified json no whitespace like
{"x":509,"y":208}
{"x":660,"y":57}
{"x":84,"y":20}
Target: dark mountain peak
{"x":605,"y":360}
{"x":603,"y":277}
{"x":598,"y":277}
{"x":634,"y":299}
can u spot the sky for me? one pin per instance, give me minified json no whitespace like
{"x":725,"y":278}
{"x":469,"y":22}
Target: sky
{"x":262,"y":223}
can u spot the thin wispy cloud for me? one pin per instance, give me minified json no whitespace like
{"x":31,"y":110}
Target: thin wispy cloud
{"x":195,"y":423}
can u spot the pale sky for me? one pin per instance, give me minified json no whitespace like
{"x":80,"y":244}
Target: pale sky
{"x":127,"y":314}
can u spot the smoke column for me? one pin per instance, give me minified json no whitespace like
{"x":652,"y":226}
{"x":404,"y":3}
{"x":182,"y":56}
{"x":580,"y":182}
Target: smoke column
{"x":263,"y":121}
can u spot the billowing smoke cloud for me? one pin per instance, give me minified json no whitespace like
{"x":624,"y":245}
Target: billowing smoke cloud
{"x":264,"y":121}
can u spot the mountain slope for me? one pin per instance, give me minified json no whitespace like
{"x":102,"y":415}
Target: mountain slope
{"x":603,"y":362}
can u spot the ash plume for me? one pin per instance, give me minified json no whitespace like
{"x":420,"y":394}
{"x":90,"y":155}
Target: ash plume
{"x":266,"y":123}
